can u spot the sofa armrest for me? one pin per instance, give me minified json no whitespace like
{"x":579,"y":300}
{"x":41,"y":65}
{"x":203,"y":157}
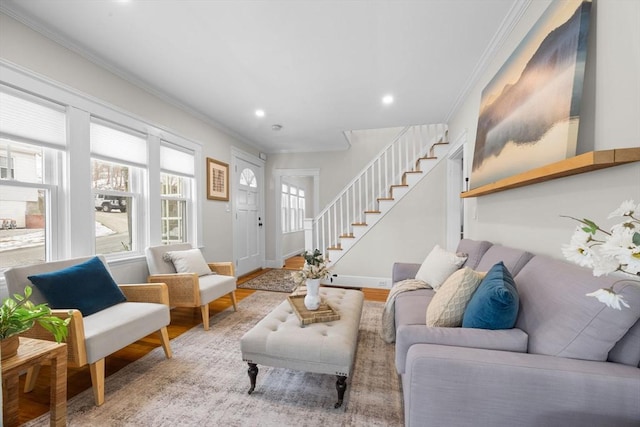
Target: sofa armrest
{"x":403,"y":271}
{"x":505,"y":339}
{"x":76,"y":351}
{"x":446,"y":385}
{"x":146,"y":292}
{"x":225,"y":268}
{"x":184,"y":288}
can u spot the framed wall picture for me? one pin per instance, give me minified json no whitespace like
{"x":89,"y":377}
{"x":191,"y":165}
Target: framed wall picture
{"x":217,"y":180}
{"x":530,"y":110}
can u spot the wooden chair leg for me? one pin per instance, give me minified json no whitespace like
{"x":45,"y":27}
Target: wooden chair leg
{"x":233,"y":300}
{"x":97,"y":381}
{"x":205,"y":316}
{"x":32,"y":376}
{"x":164,"y":340}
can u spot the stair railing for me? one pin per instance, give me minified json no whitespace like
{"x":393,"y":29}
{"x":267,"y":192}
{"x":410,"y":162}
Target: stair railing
{"x":361,"y":195}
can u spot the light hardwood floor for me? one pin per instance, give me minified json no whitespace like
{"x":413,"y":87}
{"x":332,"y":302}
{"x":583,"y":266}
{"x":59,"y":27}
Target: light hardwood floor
{"x":36,"y":403}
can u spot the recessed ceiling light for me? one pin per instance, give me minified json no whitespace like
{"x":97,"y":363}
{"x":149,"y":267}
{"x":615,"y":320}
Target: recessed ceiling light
{"x":260,"y":113}
{"x":387,"y":99}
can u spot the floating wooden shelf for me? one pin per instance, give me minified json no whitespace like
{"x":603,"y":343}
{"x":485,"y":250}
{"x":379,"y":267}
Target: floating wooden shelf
{"x":586,"y":162}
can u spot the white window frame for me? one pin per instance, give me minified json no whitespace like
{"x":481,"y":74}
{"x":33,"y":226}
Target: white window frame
{"x":186,"y":198}
{"x":292,"y":216}
{"x":72,"y":198}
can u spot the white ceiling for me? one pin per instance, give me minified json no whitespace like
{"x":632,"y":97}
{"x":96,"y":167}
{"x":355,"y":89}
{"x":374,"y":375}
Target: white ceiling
{"x":318,"y":68}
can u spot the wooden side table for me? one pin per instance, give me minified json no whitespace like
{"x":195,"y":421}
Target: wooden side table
{"x":31,"y":353}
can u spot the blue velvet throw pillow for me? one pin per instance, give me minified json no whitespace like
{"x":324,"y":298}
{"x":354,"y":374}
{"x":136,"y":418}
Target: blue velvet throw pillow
{"x":495,"y":303}
{"x":87,"y":287}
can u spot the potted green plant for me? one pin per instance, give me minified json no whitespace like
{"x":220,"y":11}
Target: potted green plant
{"x":18,"y":314}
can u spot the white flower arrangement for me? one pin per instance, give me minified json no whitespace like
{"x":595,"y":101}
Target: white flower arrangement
{"x":315,"y":267}
{"x":617,"y":250}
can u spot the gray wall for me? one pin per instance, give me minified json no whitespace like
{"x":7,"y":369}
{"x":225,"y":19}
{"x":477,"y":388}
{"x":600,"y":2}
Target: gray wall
{"x":29,"y":49}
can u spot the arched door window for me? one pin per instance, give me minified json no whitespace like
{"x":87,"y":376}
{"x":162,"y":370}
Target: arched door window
{"x":248,"y":178}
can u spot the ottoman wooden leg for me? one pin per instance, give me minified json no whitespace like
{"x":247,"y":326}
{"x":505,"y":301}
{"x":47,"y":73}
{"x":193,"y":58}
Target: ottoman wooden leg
{"x":341,"y":386}
{"x":253,"y":374}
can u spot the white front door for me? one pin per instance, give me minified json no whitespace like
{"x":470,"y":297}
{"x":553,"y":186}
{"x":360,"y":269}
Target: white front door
{"x":249,"y":222}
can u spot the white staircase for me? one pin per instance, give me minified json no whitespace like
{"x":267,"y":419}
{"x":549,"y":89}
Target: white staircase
{"x":376,"y":189}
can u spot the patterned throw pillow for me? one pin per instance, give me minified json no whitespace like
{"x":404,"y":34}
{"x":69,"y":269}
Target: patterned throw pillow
{"x":439,"y":265}
{"x":447,"y":306}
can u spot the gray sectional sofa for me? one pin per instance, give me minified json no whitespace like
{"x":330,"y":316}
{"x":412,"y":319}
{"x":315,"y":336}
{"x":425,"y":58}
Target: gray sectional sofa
{"x":569,"y":361}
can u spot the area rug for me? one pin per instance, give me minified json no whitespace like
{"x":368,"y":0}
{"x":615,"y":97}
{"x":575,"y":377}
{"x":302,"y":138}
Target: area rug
{"x":273,"y":280}
{"x":206,"y":383}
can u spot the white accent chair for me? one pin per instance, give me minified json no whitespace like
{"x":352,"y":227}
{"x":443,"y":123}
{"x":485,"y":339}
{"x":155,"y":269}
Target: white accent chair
{"x":187,"y":289}
{"x":94,"y":337}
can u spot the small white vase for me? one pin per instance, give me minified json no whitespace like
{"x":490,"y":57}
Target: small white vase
{"x":312,"y":299}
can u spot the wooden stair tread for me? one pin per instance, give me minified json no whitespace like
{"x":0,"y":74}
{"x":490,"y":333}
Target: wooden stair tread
{"x":385,"y":198}
{"x":334,"y":248}
{"x":372,"y":212}
{"x":359,"y":224}
{"x":347,"y":236}
{"x":399,"y":185}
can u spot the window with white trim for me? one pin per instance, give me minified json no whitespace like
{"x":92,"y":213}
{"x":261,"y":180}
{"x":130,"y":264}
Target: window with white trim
{"x":118,"y":163}
{"x":63,"y":155}
{"x":177,"y":203}
{"x":292,"y":208}
{"x":32,"y":140}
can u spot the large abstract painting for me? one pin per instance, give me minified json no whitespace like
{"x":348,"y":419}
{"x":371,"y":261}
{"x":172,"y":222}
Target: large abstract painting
{"x":530,"y":111}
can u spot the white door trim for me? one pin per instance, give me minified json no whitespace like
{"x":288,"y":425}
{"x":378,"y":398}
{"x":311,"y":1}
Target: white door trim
{"x":455,"y":171}
{"x":278,"y":262}
{"x":236,"y":153}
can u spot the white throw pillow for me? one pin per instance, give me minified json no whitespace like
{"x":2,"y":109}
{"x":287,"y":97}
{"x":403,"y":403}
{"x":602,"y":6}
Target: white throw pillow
{"x":439,"y":265}
{"x":189,"y":261}
{"x":447,"y":306}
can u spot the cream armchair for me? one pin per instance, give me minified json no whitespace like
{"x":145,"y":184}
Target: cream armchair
{"x":189,"y":289}
{"x":92,"y":338}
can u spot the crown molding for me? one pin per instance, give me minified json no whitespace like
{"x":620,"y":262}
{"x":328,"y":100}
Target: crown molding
{"x":128,"y":77}
{"x":512,"y":18}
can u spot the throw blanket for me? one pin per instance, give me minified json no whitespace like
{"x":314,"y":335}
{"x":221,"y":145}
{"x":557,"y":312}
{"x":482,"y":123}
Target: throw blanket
{"x":388,"y":330}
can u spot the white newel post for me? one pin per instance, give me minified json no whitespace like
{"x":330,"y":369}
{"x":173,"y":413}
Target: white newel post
{"x":308,"y":234}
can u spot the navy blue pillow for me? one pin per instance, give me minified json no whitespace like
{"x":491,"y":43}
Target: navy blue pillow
{"x":87,"y":287}
{"x":495,"y":303}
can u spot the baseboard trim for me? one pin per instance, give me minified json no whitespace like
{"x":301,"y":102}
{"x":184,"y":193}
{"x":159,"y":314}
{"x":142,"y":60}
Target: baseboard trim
{"x":359,"y":281}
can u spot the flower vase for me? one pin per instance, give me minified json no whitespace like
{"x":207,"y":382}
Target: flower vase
{"x":312,"y":299}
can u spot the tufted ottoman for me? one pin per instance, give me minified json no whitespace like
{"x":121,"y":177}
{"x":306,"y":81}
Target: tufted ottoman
{"x":280,"y":341}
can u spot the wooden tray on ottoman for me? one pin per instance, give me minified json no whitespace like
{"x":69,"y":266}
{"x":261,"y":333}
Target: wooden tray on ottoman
{"x":324,"y":313}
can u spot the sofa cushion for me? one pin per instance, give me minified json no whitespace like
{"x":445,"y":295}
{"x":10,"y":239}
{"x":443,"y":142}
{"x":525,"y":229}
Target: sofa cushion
{"x":188,"y":261}
{"x":448,"y":304}
{"x":214,"y":286}
{"x":439,"y":265}
{"x":475,"y":250}
{"x":627,"y":350}
{"x":495,"y":303}
{"x":513,"y":259}
{"x":561,"y":320}
{"x":87,"y":286}
{"x":505,"y":339}
{"x":119,"y":325}
{"x":411,"y":307}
